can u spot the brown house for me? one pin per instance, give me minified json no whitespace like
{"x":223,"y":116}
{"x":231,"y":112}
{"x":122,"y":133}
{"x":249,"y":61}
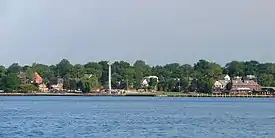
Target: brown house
{"x":57,"y":84}
{"x":240,"y":85}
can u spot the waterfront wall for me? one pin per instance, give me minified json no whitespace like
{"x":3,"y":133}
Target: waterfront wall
{"x":142,"y":94}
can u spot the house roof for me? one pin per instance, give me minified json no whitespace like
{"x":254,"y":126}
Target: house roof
{"x":144,"y":82}
{"x":224,"y":82}
{"x":237,"y":81}
{"x":37,"y":78}
{"x":245,"y":82}
{"x":250,"y":82}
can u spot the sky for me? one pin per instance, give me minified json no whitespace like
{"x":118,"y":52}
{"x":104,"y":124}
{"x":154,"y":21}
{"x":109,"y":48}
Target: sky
{"x":157,"y":31}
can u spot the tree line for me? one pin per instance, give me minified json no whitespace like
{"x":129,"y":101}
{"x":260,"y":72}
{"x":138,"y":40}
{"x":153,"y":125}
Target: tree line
{"x":172,"y":77}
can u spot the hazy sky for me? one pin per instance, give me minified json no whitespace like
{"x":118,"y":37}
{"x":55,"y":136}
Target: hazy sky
{"x":157,"y":31}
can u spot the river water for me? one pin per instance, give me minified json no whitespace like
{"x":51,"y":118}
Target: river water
{"x":134,"y":117}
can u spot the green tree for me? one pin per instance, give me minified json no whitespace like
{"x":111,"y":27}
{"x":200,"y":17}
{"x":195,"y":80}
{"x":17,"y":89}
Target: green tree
{"x":84,"y":86}
{"x":10,"y":82}
{"x":153,"y":83}
{"x":202,"y":84}
{"x":41,"y":69}
{"x":87,"y":83}
{"x":28,"y":88}
{"x":105,"y":73}
{"x":73,"y":84}
{"x":187,"y":70}
{"x":172,"y":84}
{"x":174,"y":70}
{"x":199,"y":77}
{"x":14,"y":68}
{"x":93,"y":68}
{"x":266,"y":80}
{"x":63,"y":67}
{"x":141,"y":70}
{"x":185,"y":83}
{"x":251,"y":67}
{"x":116,"y":80}
{"x":209,"y":69}
{"x":77,"y":71}
{"x":2,"y":72}
{"x":162,"y":85}
{"x":129,"y":77}
{"x":235,"y":68}
{"x":29,"y":72}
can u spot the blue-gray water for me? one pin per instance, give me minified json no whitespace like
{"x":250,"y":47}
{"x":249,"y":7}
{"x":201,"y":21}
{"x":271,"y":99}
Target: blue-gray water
{"x":133,"y":117}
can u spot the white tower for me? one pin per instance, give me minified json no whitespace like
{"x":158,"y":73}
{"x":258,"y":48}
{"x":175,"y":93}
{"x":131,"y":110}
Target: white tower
{"x":110,"y":77}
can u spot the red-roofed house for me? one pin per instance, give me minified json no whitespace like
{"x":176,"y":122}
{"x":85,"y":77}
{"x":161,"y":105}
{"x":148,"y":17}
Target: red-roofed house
{"x":239,"y":85}
{"x":37,"y":78}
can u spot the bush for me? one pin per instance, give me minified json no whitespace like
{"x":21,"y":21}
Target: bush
{"x":28,"y":88}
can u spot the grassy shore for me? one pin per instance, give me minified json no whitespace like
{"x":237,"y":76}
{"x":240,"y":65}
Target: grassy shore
{"x":148,"y":94}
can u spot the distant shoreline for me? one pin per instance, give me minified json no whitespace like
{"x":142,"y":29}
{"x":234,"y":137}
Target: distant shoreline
{"x":141,"y":95}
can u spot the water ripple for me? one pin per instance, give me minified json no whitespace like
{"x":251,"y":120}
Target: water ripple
{"x":120,"y":117}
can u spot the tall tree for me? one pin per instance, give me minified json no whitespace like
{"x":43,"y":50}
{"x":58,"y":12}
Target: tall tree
{"x":14,"y":68}
{"x":129,"y":77}
{"x":235,"y":68}
{"x":251,"y":67}
{"x":77,"y":71}
{"x":105,"y":73}
{"x":63,"y":67}
{"x":87,"y":83}
{"x":10,"y":82}
{"x":2,"y":72}
{"x":141,"y":69}
{"x":93,"y":68}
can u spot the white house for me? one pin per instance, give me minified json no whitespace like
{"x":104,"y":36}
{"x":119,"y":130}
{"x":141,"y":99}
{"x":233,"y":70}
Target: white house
{"x":152,"y":77}
{"x":227,"y":77}
{"x":218,"y":84}
{"x":145,"y":83}
{"x":221,"y":84}
{"x":146,"y":80}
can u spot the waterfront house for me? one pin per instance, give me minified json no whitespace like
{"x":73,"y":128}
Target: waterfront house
{"x":43,"y":88}
{"x":220,"y":85}
{"x":151,"y":77}
{"x":95,"y":90}
{"x":37,"y":79}
{"x":266,"y":91}
{"x":145,"y":83}
{"x":244,"y":86}
{"x":147,"y":80}
{"x":57,"y":84}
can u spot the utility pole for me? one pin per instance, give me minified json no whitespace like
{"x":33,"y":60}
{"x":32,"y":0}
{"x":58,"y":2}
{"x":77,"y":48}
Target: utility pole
{"x":110,"y":77}
{"x":179,"y":85}
{"x":127,"y":84}
{"x":58,"y":74}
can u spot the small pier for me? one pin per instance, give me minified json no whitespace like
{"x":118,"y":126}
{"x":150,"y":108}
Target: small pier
{"x":223,"y":95}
